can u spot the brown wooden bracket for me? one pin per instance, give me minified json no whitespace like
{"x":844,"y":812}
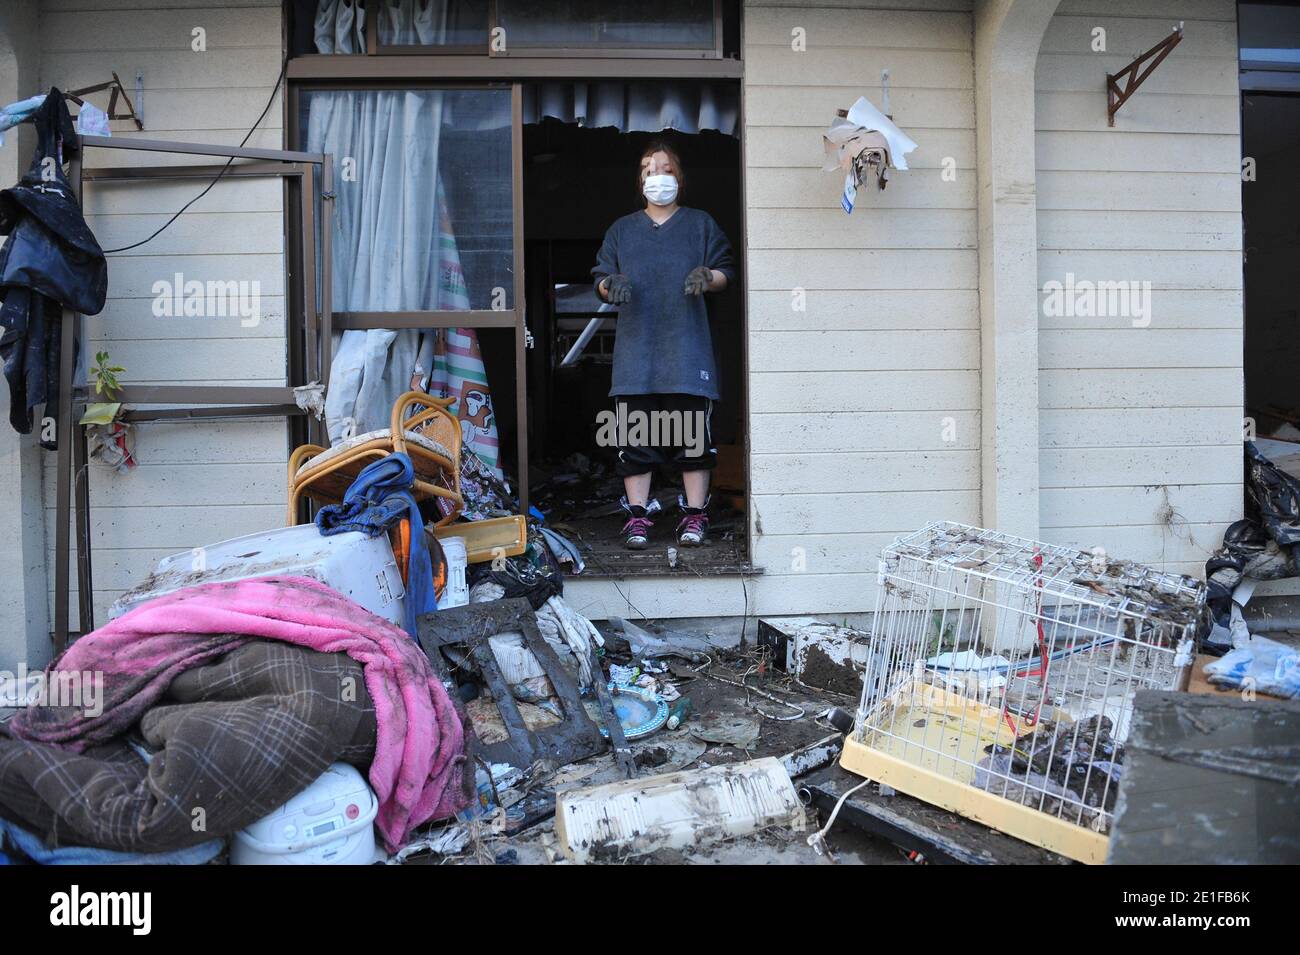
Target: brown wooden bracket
{"x":1116,"y":97}
{"x":115,"y":85}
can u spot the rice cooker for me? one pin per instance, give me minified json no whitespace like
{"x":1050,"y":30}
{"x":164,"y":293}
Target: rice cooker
{"x":331,"y":822}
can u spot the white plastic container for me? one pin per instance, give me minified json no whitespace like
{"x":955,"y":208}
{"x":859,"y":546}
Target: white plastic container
{"x":362,"y":568}
{"x":331,"y":822}
{"x":457,"y":592}
{"x":676,"y":810}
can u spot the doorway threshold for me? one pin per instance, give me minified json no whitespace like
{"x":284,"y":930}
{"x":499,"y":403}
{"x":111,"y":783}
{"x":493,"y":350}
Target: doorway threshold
{"x":622,"y":569}
{"x":599,"y":541}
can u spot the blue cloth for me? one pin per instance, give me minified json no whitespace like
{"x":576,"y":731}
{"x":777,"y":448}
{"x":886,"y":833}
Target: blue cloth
{"x":661,"y":340}
{"x":28,"y":844}
{"x":379,"y":498}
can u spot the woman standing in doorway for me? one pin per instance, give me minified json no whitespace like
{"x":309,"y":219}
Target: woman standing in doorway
{"x":655,"y":265}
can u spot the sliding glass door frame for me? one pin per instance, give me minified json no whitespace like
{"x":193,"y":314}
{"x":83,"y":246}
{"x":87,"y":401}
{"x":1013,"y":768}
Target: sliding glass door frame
{"x":511,"y":318}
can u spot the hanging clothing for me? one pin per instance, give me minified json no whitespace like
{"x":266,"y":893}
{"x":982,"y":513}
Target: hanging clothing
{"x":50,"y":262}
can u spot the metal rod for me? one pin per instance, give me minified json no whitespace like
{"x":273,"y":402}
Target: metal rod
{"x":437,"y":67}
{"x":238,"y":170}
{"x":521,"y":330}
{"x":63,"y":467}
{"x":81,"y":484}
{"x":233,"y":411}
{"x":473,"y":318}
{"x":200,"y":149}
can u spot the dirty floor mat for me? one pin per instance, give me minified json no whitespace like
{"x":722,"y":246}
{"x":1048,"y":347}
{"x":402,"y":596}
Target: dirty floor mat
{"x":230,"y":741}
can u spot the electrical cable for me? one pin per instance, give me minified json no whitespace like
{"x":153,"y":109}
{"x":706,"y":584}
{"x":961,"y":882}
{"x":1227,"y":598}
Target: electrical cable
{"x":284,"y":65}
{"x":818,"y":839}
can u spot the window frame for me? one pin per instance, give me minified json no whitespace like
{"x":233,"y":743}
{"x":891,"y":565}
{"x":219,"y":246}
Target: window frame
{"x":509,"y":318}
{"x":715,"y":52}
{"x":448,"y":68}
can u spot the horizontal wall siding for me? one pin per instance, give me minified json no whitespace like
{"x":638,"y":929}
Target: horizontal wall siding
{"x":865,"y":403}
{"x":196,"y":483}
{"x":1140,"y":427}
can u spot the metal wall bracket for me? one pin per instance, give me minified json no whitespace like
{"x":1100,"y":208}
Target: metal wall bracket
{"x":119,"y":91}
{"x":1116,"y":97}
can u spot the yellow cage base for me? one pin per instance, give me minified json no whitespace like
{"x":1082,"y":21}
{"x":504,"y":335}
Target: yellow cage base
{"x":1022,"y":822}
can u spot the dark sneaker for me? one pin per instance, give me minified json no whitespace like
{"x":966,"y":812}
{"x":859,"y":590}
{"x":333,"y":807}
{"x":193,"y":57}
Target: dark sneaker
{"x":694,"y":525}
{"x":636,"y":532}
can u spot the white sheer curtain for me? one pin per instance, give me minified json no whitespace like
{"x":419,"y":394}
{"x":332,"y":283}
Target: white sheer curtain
{"x":389,"y":243}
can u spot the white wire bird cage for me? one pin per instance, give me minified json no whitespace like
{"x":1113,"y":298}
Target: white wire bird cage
{"x":1000,"y":678}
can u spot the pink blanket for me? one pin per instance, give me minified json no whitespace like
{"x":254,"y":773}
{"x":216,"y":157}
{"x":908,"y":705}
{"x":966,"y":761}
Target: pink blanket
{"x":419,"y":750}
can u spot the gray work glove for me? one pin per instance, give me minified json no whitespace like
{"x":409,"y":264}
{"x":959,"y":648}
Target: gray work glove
{"x":618,"y":290}
{"x":698,"y":280}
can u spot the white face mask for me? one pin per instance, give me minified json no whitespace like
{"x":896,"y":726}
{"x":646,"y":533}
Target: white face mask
{"x":661,"y":190}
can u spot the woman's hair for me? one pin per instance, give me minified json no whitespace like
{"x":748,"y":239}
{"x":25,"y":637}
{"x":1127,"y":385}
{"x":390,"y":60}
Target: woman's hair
{"x":660,"y":146}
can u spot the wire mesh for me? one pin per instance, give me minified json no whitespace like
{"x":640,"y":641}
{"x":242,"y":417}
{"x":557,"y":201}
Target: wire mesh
{"x":1010,"y":665}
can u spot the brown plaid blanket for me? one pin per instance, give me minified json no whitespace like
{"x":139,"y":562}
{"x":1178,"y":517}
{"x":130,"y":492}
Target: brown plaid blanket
{"x":229,"y":741}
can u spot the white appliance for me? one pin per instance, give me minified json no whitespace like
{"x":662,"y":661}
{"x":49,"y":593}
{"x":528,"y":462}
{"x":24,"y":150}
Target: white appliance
{"x":675,"y":810}
{"x":456,"y":593}
{"x":331,"y":822}
{"x":359,"y":567}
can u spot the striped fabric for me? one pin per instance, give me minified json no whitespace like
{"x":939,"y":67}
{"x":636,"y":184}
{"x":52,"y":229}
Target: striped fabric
{"x":458,"y":371}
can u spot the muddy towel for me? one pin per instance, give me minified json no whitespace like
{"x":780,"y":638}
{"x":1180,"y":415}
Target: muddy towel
{"x":419,"y":749}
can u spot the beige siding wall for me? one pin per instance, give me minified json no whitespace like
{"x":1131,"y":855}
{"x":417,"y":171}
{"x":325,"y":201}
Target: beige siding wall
{"x":196,"y":483}
{"x":849,"y":398}
{"x":1140,"y":428}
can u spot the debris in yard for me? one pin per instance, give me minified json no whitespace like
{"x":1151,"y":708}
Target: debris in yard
{"x":1075,"y":762}
{"x":817,"y":653}
{"x":813,"y":756}
{"x":215,"y":678}
{"x":645,"y":644}
{"x":444,"y":841}
{"x":1209,"y":780}
{"x":491,"y":728}
{"x":1259,"y":664}
{"x":640,"y":711}
{"x":738,"y":730}
{"x":458,"y":645}
{"x":675,"y":811}
{"x":680,"y":713}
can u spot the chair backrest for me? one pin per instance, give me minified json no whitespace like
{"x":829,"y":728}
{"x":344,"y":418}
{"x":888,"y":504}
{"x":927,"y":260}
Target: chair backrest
{"x":434,"y":420}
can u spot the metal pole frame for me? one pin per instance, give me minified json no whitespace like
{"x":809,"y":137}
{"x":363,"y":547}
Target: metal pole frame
{"x":231,"y":401}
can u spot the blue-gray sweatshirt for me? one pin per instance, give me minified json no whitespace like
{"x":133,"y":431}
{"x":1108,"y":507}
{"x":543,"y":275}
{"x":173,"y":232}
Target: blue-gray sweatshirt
{"x":662,"y":343}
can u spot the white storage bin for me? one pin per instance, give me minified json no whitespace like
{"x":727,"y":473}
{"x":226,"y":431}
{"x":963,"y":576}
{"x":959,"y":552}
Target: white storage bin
{"x":359,"y":567}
